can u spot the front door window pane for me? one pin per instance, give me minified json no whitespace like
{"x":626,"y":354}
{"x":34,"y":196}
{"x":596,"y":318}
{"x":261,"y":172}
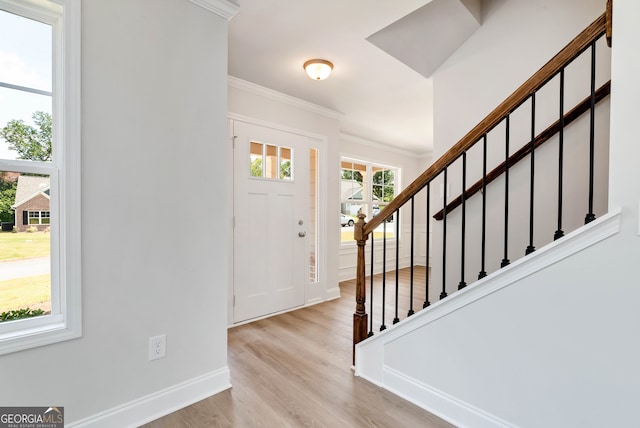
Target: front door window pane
{"x":271,"y":162}
{"x":285,"y":163}
{"x":255,"y":159}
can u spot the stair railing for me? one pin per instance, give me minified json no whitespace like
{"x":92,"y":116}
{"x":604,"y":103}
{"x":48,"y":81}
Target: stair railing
{"x":363,"y":325}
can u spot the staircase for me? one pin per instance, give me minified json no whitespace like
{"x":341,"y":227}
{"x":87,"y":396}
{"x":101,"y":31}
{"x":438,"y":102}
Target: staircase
{"x":494,"y":248}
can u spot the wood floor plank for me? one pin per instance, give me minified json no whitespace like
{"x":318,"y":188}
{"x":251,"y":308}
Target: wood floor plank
{"x":294,"y":370}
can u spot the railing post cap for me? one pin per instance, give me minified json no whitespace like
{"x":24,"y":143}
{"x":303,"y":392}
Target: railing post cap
{"x":358,"y":230}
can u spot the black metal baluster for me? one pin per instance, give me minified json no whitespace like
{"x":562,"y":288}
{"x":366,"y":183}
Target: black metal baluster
{"x":396,"y":319}
{"x":531,"y":248}
{"x":590,"y":215}
{"x":505,"y":260}
{"x":482,"y":272}
{"x":559,"y":233}
{"x":462,"y":283}
{"x":371,"y":292}
{"x":443,"y":294}
{"x":426,"y":263}
{"x":411,"y":312}
{"x":384,"y":272}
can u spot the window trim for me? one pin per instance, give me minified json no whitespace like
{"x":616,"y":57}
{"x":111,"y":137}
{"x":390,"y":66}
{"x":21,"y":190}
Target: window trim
{"x":64,"y":16}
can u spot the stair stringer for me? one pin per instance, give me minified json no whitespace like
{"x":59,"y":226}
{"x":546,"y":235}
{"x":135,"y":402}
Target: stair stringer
{"x":371,"y":354}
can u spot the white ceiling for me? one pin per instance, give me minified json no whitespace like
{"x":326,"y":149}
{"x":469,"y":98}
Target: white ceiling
{"x":380,"y":98}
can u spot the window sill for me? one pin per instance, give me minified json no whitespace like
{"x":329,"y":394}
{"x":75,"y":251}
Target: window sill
{"x":20,"y":335}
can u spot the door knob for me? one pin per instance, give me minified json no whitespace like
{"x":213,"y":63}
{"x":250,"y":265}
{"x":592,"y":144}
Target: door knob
{"x":302,"y":234}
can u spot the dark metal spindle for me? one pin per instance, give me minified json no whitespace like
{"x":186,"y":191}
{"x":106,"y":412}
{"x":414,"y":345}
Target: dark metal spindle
{"x":462,"y":283}
{"x":483,"y":273}
{"x":590,"y":215}
{"x":559,"y":233}
{"x":531,"y":248}
{"x":411,"y":311}
{"x":396,"y":319}
{"x":426,"y":263}
{"x":443,"y":294}
{"x":384,"y":273}
{"x":371,"y":292}
{"x":505,"y":260}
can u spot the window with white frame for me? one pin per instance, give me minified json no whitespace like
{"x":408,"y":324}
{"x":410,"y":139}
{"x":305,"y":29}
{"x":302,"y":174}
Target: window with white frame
{"x":39,"y":217}
{"x":39,"y":171}
{"x":366,"y":187}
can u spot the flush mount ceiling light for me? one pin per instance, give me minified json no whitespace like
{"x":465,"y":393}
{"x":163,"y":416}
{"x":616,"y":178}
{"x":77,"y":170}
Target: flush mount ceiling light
{"x":318,"y":69}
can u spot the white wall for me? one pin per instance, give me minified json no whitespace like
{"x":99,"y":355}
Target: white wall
{"x":266,"y":107}
{"x":509,"y":47}
{"x":411,"y":166}
{"x":153,"y":128}
{"x":558,"y":348}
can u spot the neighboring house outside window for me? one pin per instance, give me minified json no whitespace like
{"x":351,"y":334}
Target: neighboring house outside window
{"x":366,"y":187}
{"x":40,"y":161}
{"x":39,"y":217}
{"x":32,"y":205}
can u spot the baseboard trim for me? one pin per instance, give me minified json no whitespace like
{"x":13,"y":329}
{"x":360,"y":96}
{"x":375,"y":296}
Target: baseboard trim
{"x":370,"y":362}
{"x":333,"y":293}
{"x":161,"y":403}
{"x":441,"y":404}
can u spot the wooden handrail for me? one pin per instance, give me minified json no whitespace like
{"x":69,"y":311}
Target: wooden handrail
{"x":596,"y":29}
{"x":543,"y":137}
{"x":362,"y":230}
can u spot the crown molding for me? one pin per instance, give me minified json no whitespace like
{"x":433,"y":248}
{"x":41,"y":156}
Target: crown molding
{"x":244,"y":85}
{"x":223,"y":8}
{"x":379,"y":145}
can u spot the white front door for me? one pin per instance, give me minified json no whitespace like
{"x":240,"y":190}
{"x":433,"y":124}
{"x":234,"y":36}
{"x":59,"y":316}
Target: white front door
{"x":271,"y":209}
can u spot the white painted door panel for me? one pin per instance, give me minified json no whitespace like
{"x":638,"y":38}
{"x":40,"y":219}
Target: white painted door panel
{"x":270,"y":256}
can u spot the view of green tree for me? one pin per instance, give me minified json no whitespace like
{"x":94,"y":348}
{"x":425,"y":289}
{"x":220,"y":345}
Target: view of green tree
{"x":348,"y":174}
{"x":30,"y":143}
{"x":383,"y":185}
{"x":7,"y":197}
{"x":256,"y":167}
{"x":285,"y":169}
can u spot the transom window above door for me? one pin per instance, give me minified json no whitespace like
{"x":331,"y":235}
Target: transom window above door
{"x":269,"y":161}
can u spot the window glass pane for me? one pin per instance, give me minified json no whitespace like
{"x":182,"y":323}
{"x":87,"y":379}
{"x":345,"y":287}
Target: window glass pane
{"x":313,"y":216}
{"x":25,"y":125}
{"x":25,"y":88}
{"x":255,"y":159}
{"x":25,"y":52}
{"x":286,"y":160}
{"x":271,"y":162}
{"x":347,"y":174}
{"x":25,"y":247}
{"x":383,"y":184}
{"x":348,"y":217}
{"x":366,"y":188}
{"x":352,"y":181}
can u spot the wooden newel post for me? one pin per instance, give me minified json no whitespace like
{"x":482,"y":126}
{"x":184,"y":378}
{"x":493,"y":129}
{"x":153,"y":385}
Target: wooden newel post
{"x":360,"y":318}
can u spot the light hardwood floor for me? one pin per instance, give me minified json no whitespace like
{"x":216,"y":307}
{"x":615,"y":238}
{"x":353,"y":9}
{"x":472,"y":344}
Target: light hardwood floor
{"x":294,"y":370}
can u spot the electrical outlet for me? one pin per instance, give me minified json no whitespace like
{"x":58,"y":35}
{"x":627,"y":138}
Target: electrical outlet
{"x":157,"y":347}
